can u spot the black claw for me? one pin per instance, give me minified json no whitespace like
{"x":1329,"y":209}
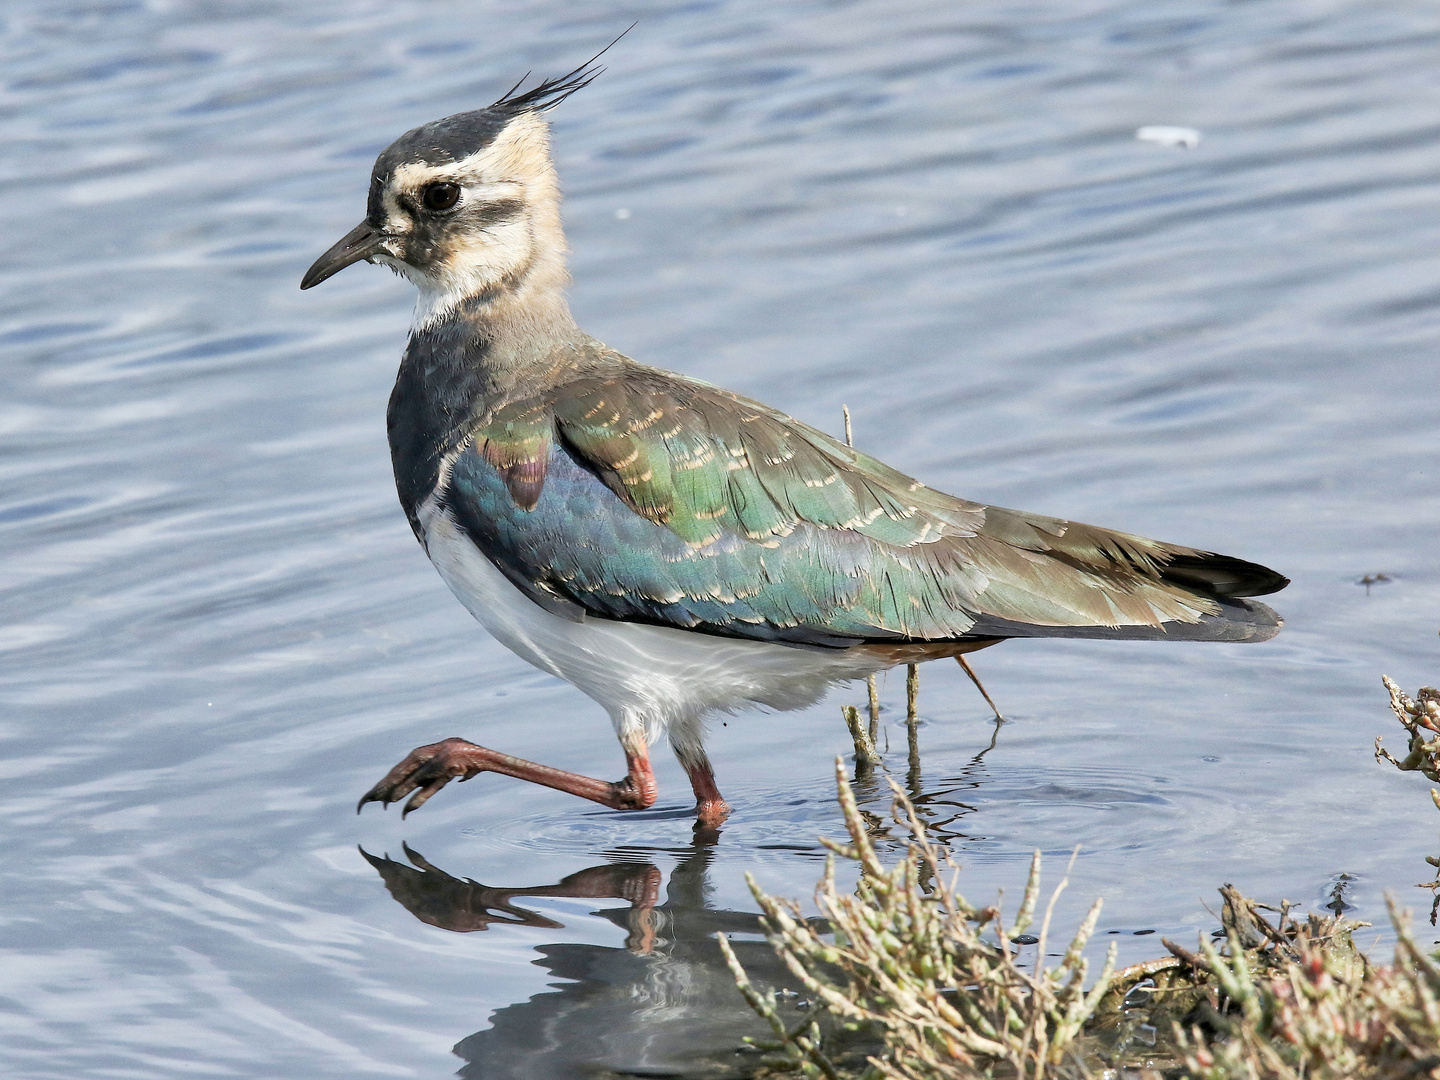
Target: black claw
{"x":424,"y":778}
{"x":423,"y":793}
{"x":373,"y":795}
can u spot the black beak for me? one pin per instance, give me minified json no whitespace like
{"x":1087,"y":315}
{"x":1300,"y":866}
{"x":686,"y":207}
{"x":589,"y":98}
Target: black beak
{"x":359,"y":243}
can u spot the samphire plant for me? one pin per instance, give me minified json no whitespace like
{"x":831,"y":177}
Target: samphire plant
{"x":939,"y":987}
{"x":937,"y":976}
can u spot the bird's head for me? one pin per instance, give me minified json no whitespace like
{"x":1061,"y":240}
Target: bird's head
{"x":468,"y":206}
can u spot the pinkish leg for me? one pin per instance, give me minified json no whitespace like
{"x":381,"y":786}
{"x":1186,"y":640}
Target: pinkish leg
{"x":427,"y":769}
{"x":710,"y":807}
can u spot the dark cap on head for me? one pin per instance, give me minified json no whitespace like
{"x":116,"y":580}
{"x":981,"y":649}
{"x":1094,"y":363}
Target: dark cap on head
{"x":435,"y":143}
{"x":459,"y":136}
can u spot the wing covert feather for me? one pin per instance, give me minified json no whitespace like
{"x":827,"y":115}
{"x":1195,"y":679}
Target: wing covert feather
{"x":644,"y":495}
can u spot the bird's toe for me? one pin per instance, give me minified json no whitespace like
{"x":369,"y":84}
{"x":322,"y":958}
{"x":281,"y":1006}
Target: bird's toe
{"x":424,"y":771}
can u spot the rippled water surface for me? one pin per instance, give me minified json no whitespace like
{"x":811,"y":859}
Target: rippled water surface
{"x":218,"y":629}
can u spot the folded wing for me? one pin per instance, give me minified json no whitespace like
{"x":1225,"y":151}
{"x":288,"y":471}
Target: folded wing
{"x":648,"y":497}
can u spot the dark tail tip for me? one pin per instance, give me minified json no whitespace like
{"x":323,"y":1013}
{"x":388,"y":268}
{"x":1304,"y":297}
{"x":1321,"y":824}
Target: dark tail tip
{"x":1221,"y":575}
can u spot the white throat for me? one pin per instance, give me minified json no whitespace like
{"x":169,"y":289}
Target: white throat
{"x":435,"y":301}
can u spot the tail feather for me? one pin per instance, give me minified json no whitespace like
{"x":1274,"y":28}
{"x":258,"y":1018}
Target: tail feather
{"x":1221,"y":575}
{"x":1237,"y":620}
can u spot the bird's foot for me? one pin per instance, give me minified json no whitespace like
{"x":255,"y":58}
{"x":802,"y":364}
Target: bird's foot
{"x":636,"y":792}
{"x":426,"y":770}
{"x":711,"y":809}
{"x":711,"y":813}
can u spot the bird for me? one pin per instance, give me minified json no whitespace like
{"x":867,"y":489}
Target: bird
{"x":676,"y":551}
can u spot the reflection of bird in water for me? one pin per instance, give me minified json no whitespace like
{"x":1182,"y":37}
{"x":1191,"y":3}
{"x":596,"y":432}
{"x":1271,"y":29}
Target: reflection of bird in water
{"x":665,"y":1005}
{"x":434,"y":897}
{"x":670,"y":548}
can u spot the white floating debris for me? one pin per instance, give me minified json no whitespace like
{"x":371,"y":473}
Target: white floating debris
{"x":623,"y":214}
{"x":1166,"y":135}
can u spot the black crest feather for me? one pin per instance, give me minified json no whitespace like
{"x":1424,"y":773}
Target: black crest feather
{"x":552,"y":92}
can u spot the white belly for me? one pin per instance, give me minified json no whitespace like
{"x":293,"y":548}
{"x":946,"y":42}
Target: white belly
{"x":651,"y":675}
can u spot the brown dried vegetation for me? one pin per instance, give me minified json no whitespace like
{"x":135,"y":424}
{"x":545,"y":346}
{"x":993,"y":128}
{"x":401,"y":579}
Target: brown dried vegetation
{"x":939,"y":987}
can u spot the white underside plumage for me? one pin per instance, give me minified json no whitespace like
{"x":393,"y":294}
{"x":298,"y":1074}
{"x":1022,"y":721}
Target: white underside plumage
{"x":652,"y":680}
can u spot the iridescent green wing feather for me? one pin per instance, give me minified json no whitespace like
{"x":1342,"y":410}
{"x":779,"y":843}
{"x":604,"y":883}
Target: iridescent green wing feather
{"x":517,"y":442}
{"x":708,"y":464}
{"x":723,"y":514}
{"x":705,"y":463}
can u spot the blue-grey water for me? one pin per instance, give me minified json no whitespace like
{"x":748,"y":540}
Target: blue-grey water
{"x":218,"y":630}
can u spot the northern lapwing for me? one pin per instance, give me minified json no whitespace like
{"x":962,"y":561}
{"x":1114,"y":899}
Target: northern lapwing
{"x":674,"y":550}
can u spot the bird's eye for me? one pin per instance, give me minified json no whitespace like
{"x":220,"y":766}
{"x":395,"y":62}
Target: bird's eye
{"x":441,"y":196}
